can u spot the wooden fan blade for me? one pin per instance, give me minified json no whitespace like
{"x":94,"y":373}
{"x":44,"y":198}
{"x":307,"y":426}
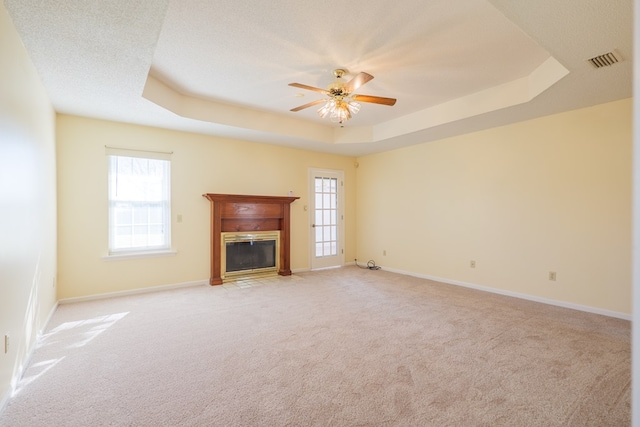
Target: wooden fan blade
{"x":374,"y":99}
{"x":357,"y":81}
{"x":315,"y":89}
{"x":311,"y":104}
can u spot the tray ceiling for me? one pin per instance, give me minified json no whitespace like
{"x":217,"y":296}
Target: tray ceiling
{"x":223,"y":68}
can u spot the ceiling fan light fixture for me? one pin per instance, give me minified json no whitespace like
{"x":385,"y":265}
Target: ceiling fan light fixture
{"x":340,"y":115}
{"x":339,"y":110}
{"x":353,"y":106}
{"x":327,"y":108}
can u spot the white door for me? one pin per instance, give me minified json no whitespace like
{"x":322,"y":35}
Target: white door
{"x":327,"y":218}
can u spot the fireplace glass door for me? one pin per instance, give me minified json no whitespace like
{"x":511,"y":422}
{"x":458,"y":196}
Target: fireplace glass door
{"x":251,"y":255}
{"x":245,"y":254}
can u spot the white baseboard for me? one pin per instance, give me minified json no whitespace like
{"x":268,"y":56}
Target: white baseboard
{"x":134,"y":291}
{"x":48,"y":319}
{"x":4,"y":400}
{"x":304,"y":270}
{"x":333,"y":267}
{"x":564,"y":304}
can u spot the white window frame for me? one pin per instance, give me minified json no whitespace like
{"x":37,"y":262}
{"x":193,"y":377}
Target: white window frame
{"x":163,"y":248}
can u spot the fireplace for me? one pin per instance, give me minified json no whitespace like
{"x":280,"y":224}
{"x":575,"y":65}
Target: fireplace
{"x":245,"y":215}
{"x":249,"y":254}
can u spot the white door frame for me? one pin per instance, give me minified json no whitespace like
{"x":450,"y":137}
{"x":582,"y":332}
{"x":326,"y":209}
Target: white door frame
{"x":326,"y":261}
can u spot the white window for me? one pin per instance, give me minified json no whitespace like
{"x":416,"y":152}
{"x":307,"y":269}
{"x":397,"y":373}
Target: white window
{"x":139,"y":201}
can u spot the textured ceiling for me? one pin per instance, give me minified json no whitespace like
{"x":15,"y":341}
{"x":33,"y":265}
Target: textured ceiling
{"x":249,"y":54}
{"x":223,"y":67}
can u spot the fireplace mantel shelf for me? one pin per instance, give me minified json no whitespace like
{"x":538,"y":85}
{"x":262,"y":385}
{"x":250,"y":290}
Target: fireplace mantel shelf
{"x":245,"y":213}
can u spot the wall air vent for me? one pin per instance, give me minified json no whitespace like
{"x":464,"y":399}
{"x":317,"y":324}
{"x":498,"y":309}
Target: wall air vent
{"x":605,"y":60}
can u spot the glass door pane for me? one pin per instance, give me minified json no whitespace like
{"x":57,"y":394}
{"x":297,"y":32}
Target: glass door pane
{"x":326,"y":216}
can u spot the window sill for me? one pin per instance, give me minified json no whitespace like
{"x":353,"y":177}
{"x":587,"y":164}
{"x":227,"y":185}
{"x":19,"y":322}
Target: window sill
{"x":142,"y":254}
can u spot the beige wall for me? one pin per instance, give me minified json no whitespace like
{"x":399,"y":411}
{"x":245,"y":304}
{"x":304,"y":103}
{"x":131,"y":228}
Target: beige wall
{"x":551,"y":194}
{"x":27,"y":205}
{"x":200,"y":164}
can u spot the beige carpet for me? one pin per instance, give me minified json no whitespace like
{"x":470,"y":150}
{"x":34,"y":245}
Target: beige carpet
{"x":344,"y":347}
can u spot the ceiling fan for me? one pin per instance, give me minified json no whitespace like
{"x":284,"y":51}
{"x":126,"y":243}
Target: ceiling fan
{"x":342,"y":103}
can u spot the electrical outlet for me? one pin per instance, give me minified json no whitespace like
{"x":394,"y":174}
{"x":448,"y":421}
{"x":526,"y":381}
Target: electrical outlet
{"x":6,"y":343}
{"x":384,"y":252}
{"x":472,"y":264}
{"x":552,"y":276}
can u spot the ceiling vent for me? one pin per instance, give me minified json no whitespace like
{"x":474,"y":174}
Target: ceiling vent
{"x":605,"y":60}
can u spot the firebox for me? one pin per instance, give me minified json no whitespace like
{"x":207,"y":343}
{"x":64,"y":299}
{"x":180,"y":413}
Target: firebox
{"x":249,"y":254}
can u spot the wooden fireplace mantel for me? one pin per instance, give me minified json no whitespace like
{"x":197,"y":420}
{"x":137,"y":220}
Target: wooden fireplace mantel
{"x":236,"y":212}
